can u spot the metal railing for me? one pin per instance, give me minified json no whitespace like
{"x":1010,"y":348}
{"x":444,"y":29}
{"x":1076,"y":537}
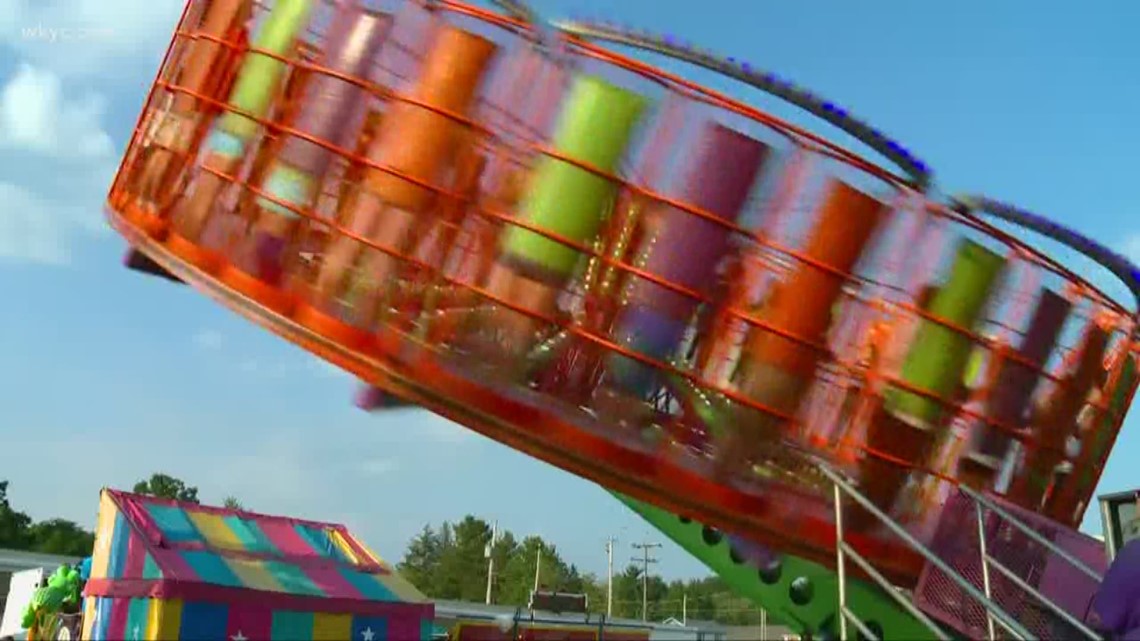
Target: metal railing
{"x":982,"y":504}
{"x":844,"y":551}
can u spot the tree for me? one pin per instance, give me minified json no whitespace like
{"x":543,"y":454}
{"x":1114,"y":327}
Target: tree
{"x":519,"y":572}
{"x":165,"y":486}
{"x":449,"y":562}
{"x":595,"y":591}
{"x":573,"y":581}
{"x":420,"y":564}
{"x":13,"y":525}
{"x":463,"y":564}
{"x":54,"y":536}
{"x":701,"y":604}
{"x":627,"y":593}
{"x":60,"y":536}
{"x":231,"y":503}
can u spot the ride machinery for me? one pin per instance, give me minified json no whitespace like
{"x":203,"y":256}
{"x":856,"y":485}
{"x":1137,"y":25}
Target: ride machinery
{"x":733,"y":322}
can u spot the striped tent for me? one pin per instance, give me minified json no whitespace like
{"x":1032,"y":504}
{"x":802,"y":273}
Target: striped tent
{"x":168,"y":570}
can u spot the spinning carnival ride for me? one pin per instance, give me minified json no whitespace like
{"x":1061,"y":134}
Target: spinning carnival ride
{"x":628,"y":275}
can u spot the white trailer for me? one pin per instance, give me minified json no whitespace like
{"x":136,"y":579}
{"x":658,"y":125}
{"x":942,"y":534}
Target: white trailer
{"x":21,"y":588}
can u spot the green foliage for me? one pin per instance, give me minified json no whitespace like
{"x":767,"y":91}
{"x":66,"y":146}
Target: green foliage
{"x":448,"y":562}
{"x":13,"y":525}
{"x":54,"y":536}
{"x":231,"y":503}
{"x":165,"y":486}
{"x":59,"y":536}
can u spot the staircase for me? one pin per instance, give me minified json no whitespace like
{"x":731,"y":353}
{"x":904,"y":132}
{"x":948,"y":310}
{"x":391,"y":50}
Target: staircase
{"x":993,"y":571}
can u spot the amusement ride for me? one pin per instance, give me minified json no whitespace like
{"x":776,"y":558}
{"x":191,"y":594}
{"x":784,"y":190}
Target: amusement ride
{"x":877,"y":411}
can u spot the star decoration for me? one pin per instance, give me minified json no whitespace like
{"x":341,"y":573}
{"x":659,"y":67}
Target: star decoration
{"x":137,"y":633}
{"x":239,"y":637}
{"x":368,"y":634}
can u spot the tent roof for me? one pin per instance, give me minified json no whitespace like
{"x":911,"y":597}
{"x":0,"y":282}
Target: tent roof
{"x":226,"y":550}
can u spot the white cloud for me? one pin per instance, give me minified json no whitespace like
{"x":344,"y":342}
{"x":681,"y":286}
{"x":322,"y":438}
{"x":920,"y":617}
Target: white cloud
{"x":290,"y":471}
{"x":208,"y":339}
{"x":286,"y":463}
{"x":378,"y":467}
{"x":28,"y":230}
{"x":77,"y":38}
{"x":57,"y":160}
{"x":35,"y":117}
{"x":42,"y":229}
{"x":297,"y":363}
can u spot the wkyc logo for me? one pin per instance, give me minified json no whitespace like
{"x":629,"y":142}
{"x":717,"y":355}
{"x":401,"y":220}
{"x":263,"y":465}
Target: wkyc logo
{"x":64,"y":34}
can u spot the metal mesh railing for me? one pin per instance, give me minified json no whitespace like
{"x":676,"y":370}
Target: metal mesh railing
{"x":1042,"y":573}
{"x":844,"y":551}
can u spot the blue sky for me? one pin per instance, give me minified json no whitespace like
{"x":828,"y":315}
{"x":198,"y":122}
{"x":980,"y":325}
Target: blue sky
{"x":112,"y":376}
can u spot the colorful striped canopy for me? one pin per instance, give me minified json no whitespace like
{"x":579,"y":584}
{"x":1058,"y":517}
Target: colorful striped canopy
{"x":119,"y":618}
{"x":152,"y":553}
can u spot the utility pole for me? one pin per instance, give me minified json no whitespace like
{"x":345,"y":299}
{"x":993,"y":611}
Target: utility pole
{"x":537,"y":567}
{"x":610,"y":576}
{"x":489,"y":552}
{"x":685,"y":609}
{"x":645,"y":560}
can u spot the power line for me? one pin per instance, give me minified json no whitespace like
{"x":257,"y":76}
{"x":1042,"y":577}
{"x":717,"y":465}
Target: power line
{"x":645,"y":561}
